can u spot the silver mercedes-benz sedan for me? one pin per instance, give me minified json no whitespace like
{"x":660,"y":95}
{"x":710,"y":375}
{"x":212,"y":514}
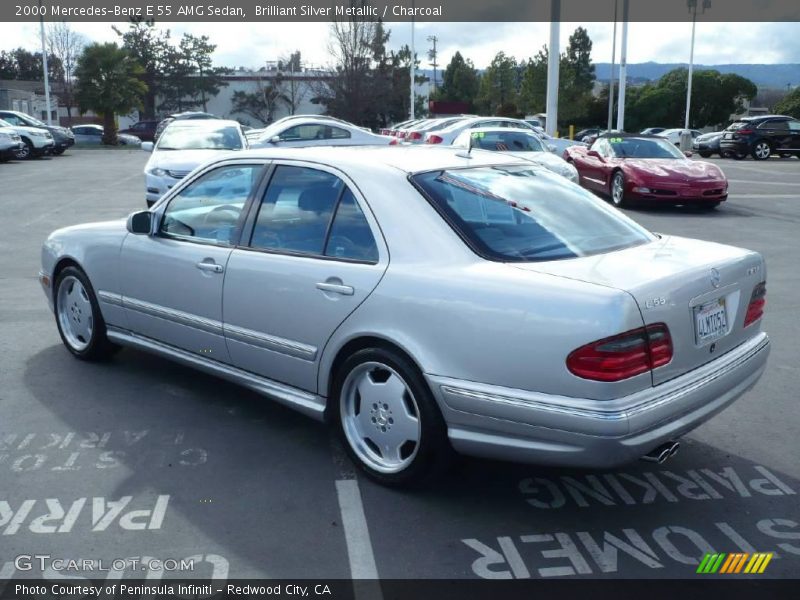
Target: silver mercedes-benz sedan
{"x":423,"y":300}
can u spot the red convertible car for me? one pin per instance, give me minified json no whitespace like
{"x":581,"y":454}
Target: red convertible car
{"x":631,"y":168}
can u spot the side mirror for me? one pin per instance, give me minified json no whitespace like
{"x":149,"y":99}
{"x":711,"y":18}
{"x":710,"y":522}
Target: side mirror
{"x":688,"y":153}
{"x":594,"y":153}
{"x":274,"y":139}
{"x":140,"y":223}
{"x":147,"y":146}
{"x":552,"y":148}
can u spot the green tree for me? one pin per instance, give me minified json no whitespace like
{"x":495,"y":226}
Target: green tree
{"x":27,"y":66}
{"x":790,"y":105}
{"x":262,"y":103}
{"x":109,"y":83}
{"x":498,"y":86}
{"x":460,"y":82}
{"x":533,"y":89}
{"x":576,"y":79}
{"x":150,"y":47}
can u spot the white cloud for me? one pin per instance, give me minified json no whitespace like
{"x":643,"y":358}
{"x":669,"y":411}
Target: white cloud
{"x":251,"y":44}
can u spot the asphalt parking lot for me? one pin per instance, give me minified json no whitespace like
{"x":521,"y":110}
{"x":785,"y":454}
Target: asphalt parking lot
{"x":142,"y":458}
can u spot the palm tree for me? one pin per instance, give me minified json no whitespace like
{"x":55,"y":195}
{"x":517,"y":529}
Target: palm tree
{"x":108,"y":84}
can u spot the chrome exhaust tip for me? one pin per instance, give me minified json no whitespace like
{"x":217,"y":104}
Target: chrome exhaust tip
{"x":662,"y":453}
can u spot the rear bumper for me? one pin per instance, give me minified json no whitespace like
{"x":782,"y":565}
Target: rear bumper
{"x":508,"y":424}
{"x":738,"y":146}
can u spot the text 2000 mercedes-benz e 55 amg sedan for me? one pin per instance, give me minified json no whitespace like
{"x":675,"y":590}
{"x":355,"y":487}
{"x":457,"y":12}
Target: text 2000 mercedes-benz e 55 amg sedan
{"x":423,"y":300}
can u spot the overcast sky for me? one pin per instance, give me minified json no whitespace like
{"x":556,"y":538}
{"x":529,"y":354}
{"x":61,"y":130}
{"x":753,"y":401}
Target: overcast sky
{"x":250,"y":44}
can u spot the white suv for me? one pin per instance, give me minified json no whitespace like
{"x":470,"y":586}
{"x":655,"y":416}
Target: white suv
{"x":10,"y":143}
{"x":35,"y":141}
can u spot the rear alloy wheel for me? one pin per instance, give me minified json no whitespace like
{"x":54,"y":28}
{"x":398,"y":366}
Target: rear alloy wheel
{"x":618,"y":189}
{"x":27,"y":151}
{"x":78,"y":317}
{"x":761,"y":150}
{"x":388,"y":420}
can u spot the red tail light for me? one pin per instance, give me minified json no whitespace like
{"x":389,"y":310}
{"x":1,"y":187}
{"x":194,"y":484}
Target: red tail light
{"x":755,"y":310}
{"x":415,"y":135}
{"x":622,"y":356}
{"x":393,"y":142}
{"x":745,"y":131}
{"x":434,"y":139}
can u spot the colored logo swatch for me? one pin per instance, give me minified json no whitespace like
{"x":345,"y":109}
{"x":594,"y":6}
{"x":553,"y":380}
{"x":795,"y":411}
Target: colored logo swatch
{"x":736,"y":562}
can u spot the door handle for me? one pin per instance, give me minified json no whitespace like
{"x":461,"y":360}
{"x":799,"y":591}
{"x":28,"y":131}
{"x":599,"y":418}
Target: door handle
{"x":336,"y":288}
{"x":210,"y":266}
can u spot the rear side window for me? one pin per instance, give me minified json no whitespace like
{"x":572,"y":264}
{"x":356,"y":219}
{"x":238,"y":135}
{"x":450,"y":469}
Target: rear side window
{"x":312,"y":212}
{"x":520,"y":214}
{"x":777,"y":125}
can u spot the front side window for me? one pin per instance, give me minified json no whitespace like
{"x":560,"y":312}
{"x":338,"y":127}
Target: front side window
{"x":208,"y":209}
{"x":302,"y":133}
{"x":517,"y":214}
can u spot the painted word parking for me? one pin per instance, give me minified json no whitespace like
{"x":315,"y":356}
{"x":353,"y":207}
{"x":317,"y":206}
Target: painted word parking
{"x":664,"y":546}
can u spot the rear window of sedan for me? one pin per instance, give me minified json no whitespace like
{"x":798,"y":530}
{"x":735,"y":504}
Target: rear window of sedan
{"x":522,"y":214}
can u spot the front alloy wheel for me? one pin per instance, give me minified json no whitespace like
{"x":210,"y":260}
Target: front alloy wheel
{"x":26,"y":151}
{"x":78,"y":317}
{"x":618,"y":189}
{"x":387,"y":418}
{"x":761,"y":150}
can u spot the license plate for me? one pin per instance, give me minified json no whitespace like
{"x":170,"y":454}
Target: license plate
{"x":710,"y":321}
{"x":728,"y":136}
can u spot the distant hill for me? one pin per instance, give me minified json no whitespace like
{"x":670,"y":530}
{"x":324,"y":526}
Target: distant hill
{"x":764,"y":76}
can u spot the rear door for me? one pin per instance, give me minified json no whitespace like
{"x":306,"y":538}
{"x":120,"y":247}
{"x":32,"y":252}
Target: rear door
{"x":315,"y":253}
{"x":777,"y":132}
{"x":794,"y":132}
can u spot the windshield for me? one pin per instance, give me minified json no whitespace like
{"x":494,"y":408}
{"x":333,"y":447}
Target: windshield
{"x":521,"y":214}
{"x":222,"y":137}
{"x":31,"y":121}
{"x":507,"y":141}
{"x":643,"y":148}
{"x":5,"y":123}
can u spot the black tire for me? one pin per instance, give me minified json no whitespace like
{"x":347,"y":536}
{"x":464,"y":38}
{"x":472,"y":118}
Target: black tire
{"x":28,"y":152}
{"x":761,"y":150}
{"x":786,"y":155}
{"x":59,"y":151}
{"x":738,"y":155}
{"x":99,"y":347}
{"x":433,"y":453}
{"x":618,"y":199}
{"x":705,"y":154}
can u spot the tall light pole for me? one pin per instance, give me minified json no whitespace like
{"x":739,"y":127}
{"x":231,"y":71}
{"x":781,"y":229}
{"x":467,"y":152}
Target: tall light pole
{"x":611,"y":78}
{"x":44,"y":66}
{"x":553,"y":59}
{"x":692,"y":4}
{"x":413,"y":68}
{"x":623,"y":64}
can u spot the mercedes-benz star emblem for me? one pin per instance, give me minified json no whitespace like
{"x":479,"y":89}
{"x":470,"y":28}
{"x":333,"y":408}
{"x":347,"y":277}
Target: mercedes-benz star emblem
{"x":715,"y":278}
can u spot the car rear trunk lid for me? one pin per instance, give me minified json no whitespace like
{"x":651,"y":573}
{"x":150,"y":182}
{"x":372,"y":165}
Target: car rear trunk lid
{"x":701,"y":290}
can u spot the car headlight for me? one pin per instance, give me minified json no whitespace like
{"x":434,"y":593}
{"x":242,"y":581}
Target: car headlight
{"x":158,"y":172}
{"x":39,"y":134}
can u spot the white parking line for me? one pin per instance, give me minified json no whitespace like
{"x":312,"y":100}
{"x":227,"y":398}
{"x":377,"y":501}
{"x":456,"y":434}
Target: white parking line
{"x":760,"y":196}
{"x":363,"y":570}
{"x":751,"y":181}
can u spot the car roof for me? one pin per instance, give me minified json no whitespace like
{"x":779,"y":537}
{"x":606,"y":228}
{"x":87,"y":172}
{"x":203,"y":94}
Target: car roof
{"x":88,"y":125}
{"x":408,"y":159}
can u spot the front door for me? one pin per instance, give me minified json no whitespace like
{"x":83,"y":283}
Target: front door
{"x":315,"y":254}
{"x":172,"y":285}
